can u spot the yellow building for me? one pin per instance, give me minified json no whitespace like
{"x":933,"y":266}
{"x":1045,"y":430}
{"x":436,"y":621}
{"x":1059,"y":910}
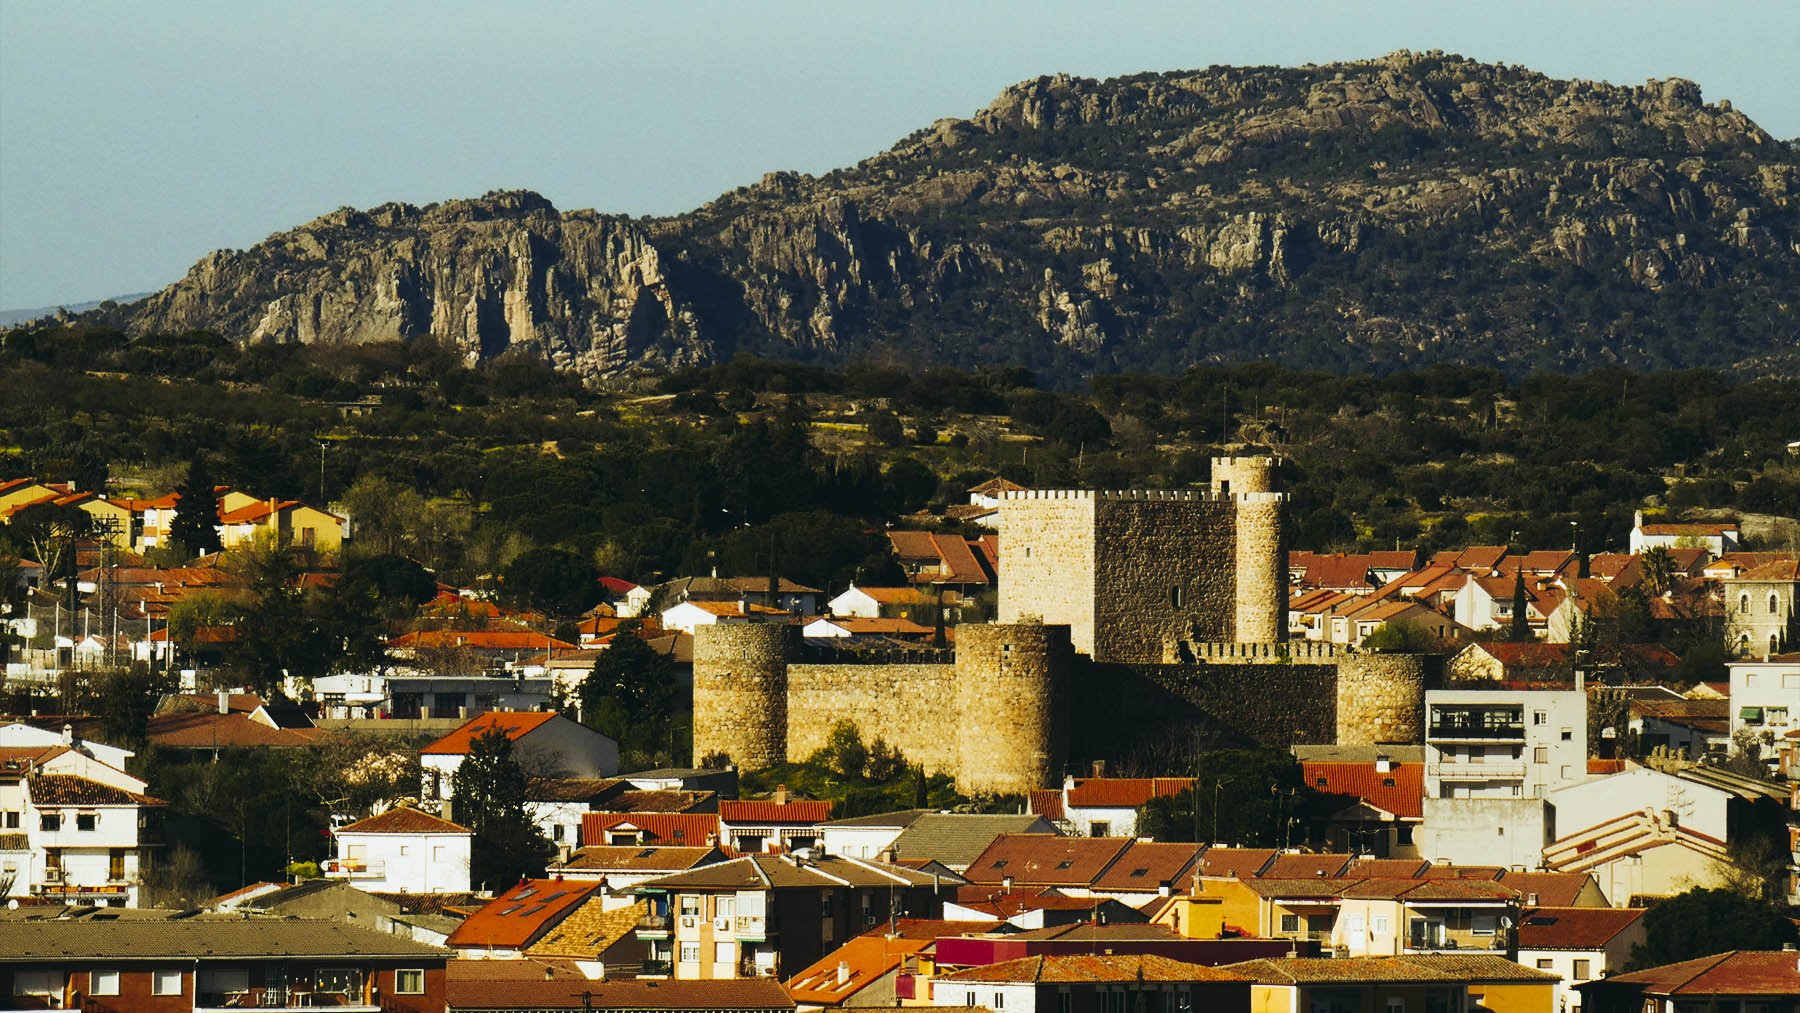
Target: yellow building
{"x":1424,"y":983}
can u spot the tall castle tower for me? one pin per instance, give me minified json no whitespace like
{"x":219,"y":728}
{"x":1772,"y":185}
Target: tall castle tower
{"x":1133,"y":571}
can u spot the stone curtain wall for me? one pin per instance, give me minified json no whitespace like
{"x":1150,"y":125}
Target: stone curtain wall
{"x":741,"y":692}
{"x":1011,"y":695}
{"x":912,"y":706}
{"x":1166,"y":565}
{"x":1272,"y":705}
{"x":1381,"y":698}
{"x":1047,"y":571}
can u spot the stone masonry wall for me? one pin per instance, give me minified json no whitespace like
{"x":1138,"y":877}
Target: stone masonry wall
{"x":741,"y":692}
{"x":912,"y":706}
{"x":1011,"y":697}
{"x":1261,"y":562}
{"x":1381,"y":698}
{"x":1049,"y":572}
{"x":1167,"y":573}
{"x":1274,"y":705}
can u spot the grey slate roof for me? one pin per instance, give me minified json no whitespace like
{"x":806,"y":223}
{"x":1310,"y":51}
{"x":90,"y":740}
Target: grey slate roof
{"x":200,"y":937}
{"x":903,"y":818}
{"x":956,"y":839}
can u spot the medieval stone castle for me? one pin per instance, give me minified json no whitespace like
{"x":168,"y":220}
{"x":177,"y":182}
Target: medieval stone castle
{"x":1169,"y":602}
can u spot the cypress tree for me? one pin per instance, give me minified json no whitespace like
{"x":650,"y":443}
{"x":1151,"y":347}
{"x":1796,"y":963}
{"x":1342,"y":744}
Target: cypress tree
{"x":194,"y":527}
{"x":1521,"y":626}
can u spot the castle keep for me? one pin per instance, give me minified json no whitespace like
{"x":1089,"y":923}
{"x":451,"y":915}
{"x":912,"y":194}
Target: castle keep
{"x":1142,"y":611}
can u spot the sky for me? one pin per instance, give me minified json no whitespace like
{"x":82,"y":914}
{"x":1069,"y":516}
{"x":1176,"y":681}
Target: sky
{"x":136,"y":137}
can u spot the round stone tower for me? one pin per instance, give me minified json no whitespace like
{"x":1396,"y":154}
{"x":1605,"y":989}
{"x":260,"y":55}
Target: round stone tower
{"x":1009,"y":692}
{"x":1260,"y":599}
{"x":740,"y":692}
{"x":1381,"y":698}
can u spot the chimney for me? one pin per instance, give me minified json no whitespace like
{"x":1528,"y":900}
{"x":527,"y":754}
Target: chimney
{"x":1384,"y":764}
{"x":224,"y":701}
{"x":1164,"y":888}
{"x":68,"y":734}
{"x":1531,"y":900}
{"x":843,"y":972}
{"x":1099,"y":768}
{"x":1006,"y":883}
{"x":781,"y":794}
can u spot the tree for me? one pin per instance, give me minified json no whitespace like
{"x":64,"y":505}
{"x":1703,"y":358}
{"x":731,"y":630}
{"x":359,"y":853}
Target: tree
{"x":1521,"y":623}
{"x":488,"y":797}
{"x":1402,"y":636}
{"x":1260,"y":798}
{"x":196,"y":512}
{"x":630,"y":695}
{"x":125,"y":699}
{"x":49,"y":530}
{"x":1702,"y":922}
{"x":560,"y":583}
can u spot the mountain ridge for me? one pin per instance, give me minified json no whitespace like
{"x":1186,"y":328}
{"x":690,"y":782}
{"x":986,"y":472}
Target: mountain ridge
{"x":1375,"y":214}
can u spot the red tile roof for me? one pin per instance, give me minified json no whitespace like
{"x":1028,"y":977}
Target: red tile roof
{"x":482,"y":640}
{"x":1070,"y":968}
{"x":222,"y":731}
{"x":761,"y":812}
{"x":1400,"y":791}
{"x":689,"y":829}
{"x":1142,"y":866}
{"x":484,"y":989}
{"x":514,"y":919}
{"x":1124,"y":792}
{"x":1045,"y":859}
{"x":69,"y":789}
{"x":1046,"y":802}
{"x":1574,"y":928}
{"x":1301,"y":866}
{"x":1241,"y":863}
{"x":404,"y":820}
{"x":1553,"y":889}
{"x":851,"y":968}
{"x":513,"y":724}
{"x":1735,"y":972}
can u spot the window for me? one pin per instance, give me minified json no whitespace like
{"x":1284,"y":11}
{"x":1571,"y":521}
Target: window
{"x":690,"y":953}
{"x":1568,"y":735}
{"x":409,"y":981}
{"x":115,"y":865}
{"x":1544,"y":963}
{"x":1290,"y":923}
{"x":1583,"y":970}
{"x":1774,"y":604}
{"x":1744,"y":603}
{"x":345,"y":981}
{"x":1100,"y":828}
{"x":1540,"y":717}
{"x":438,"y":852}
{"x":87,"y":822}
{"x":1540,"y":754}
{"x":999,"y":1000}
{"x":1175,"y":596}
{"x":165,"y":982}
{"x":690,"y":905}
{"x":725,"y":953}
{"x":50,"y":822}
{"x":556,"y":834}
{"x":38,"y":983}
{"x":1396,"y":1004}
{"x":11,"y":820}
{"x":1383,"y":925}
{"x":103,"y":983}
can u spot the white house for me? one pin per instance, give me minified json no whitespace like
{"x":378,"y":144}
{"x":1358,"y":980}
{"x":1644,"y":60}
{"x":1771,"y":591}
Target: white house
{"x":628,"y":600}
{"x":1490,"y":758}
{"x":1716,"y":537}
{"x":545,"y":744}
{"x":684,"y":616}
{"x":1765,"y":697}
{"x":73,"y":828}
{"x":866,"y":836}
{"x":19,"y":734}
{"x":1641,"y":832}
{"x":1578,"y":943}
{"x":403,"y":850}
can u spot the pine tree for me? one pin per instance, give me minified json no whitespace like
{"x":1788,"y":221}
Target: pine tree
{"x":194,"y":527}
{"x":1521,"y":624}
{"x":488,"y":797}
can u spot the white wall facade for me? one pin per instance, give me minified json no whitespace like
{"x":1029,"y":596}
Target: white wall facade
{"x":1530,"y":743}
{"x":1508,"y":832}
{"x":1591,"y":803}
{"x":403,"y":862}
{"x":1765,"y":696}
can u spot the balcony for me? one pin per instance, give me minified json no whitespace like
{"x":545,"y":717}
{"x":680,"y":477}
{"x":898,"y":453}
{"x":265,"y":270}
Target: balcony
{"x":283,"y":998}
{"x":354,"y":868}
{"x":1496,"y":770}
{"x":750,"y":927}
{"x":656,"y":969}
{"x":1476,"y":731}
{"x":653,"y":926}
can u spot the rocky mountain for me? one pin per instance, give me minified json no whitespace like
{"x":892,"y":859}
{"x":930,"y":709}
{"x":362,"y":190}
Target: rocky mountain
{"x":1377,"y":214}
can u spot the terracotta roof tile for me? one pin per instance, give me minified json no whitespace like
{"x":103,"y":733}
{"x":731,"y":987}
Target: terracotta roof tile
{"x":70,"y":789}
{"x":738,"y":811}
{"x":1124,"y":792}
{"x":1400,"y":790}
{"x":851,"y":968}
{"x":1045,"y":859}
{"x":684,"y":829}
{"x":1574,"y":928}
{"x":521,"y":915}
{"x":404,"y":820}
{"x":1071,"y":968}
{"x":1735,"y":972}
{"x":1144,"y":865}
{"x":513,"y":724}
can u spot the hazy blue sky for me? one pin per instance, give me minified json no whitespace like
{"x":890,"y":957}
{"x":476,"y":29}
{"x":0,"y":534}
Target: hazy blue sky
{"x":135,"y":137}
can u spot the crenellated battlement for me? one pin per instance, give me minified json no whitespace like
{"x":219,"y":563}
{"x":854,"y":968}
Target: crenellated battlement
{"x":1144,"y":495}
